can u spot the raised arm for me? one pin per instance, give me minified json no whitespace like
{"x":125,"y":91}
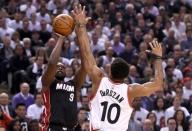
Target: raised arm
{"x":88,"y":59}
{"x":146,"y":89}
{"x":50,"y":71}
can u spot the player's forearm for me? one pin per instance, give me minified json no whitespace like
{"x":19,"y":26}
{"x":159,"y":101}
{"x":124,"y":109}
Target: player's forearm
{"x":55,"y":54}
{"x":158,"y":73}
{"x":86,"y":54}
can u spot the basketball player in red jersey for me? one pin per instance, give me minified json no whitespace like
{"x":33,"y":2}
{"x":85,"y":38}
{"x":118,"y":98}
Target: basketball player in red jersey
{"x":110,"y":108}
{"x":60,"y":113}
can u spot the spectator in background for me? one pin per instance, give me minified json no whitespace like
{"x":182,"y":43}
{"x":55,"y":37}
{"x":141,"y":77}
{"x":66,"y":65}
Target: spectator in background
{"x":159,"y":109}
{"x":133,"y":125}
{"x":33,"y":125}
{"x":147,"y":125}
{"x":187,"y":90}
{"x":29,"y":51}
{"x":5,"y":104}
{"x":15,"y":125}
{"x":19,"y":61}
{"x":6,"y":53}
{"x":4,"y":119}
{"x":151,"y":116}
{"x":20,"y":111}
{"x":140,"y":113}
{"x":23,"y":96}
{"x":4,"y":29}
{"x":116,"y":44}
{"x":180,"y":118}
{"x":35,"y":110}
{"x":171,"y":125}
{"x":176,"y":105}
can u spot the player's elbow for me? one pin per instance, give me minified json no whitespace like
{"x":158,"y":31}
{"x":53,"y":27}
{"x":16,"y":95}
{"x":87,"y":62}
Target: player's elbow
{"x":158,"y":84}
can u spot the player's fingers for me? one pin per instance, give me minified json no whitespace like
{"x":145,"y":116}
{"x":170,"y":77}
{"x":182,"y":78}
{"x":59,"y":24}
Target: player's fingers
{"x":79,"y":8}
{"x":150,"y":44}
{"x":83,"y":9}
{"x":76,"y":10}
{"x":72,"y":13}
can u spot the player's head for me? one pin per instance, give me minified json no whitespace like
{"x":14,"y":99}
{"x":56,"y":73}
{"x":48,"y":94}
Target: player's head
{"x":119,"y":69}
{"x":60,"y":73}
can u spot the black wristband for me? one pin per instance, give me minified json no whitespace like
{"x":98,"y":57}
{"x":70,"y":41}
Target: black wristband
{"x":153,"y":56}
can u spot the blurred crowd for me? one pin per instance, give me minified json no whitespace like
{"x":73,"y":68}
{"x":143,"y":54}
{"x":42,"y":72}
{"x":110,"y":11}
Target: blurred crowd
{"x":118,"y":28}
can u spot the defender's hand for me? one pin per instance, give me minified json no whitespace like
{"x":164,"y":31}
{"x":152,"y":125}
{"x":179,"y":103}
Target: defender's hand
{"x":79,"y":16}
{"x":156,"y":48}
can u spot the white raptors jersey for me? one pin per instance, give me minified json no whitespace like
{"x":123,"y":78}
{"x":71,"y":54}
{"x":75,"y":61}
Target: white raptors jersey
{"x":110,"y":109}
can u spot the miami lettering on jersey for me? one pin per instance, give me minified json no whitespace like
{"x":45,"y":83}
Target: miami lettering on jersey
{"x":66,"y":87}
{"x":112,"y":93}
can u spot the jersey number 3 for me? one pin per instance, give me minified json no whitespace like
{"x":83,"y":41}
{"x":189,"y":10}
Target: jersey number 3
{"x":111,"y":107}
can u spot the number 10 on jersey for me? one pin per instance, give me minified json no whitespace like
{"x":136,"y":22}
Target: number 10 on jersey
{"x":107,"y":110}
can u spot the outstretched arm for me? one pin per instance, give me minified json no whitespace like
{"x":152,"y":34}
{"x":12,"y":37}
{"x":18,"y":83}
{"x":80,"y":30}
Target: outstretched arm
{"x":146,"y":89}
{"x":50,"y":71}
{"x":88,"y":59}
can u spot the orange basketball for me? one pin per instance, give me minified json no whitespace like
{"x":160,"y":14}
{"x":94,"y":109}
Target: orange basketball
{"x":63,"y":24}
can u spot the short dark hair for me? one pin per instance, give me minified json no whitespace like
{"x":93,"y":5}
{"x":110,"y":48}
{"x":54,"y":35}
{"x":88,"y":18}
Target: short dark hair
{"x":119,"y":69}
{"x":171,"y":118}
{"x":20,"y":104}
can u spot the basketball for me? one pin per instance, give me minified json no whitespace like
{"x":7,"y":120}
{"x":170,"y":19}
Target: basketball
{"x":63,"y":24}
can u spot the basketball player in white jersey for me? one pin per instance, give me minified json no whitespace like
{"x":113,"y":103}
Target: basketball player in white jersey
{"x":110,"y":108}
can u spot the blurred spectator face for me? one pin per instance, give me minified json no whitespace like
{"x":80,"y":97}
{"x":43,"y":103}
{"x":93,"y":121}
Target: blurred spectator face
{"x":17,"y":17}
{"x":17,"y":126}
{"x":160,"y":103}
{"x":40,"y":60}
{"x":85,"y":126}
{"x":43,"y":10}
{"x":75,"y":64}
{"x":119,"y":16}
{"x":19,"y":50}
{"x":171,"y":62}
{"x":152,"y":117}
{"x":99,"y":7}
{"x":148,"y":72}
{"x":179,"y":115}
{"x":130,"y":8}
{"x":85,"y":102}
{"x":82,"y":115}
{"x":177,"y":51}
{"x":132,"y":71}
{"x":179,"y":91}
{"x":128,"y":46}
{"x":25,"y":23}
{"x":95,"y":38}
{"x":171,"y":124}
{"x":147,"y":38}
{"x":111,"y":6}
{"x":69,"y":71}
{"x":6,"y":41}
{"x":39,"y":100}
{"x":171,"y":33}
{"x":176,"y":102}
{"x":147,"y":125}
{"x":188,"y":82}
{"x":24,"y":88}
{"x":34,"y":125}
{"x":141,"y":23}
{"x":116,"y":38}
{"x":137,"y":32}
{"x":143,"y":47}
{"x":136,"y":103}
{"x":109,"y":51}
{"x":21,"y":111}
{"x":139,"y":16}
{"x":27,"y":43}
{"x":98,"y":30}
{"x":4,"y":99}
{"x":189,"y":33}
{"x":15,"y":36}
{"x":162,"y":121}
{"x":33,"y":17}
{"x":43,"y":24}
{"x":176,"y":19}
{"x":107,"y":44}
{"x":51,"y":42}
